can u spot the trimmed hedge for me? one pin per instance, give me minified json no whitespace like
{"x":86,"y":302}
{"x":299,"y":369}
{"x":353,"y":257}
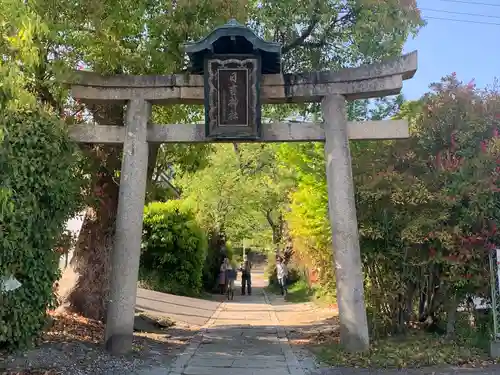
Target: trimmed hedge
{"x":173,"y":249}
{"x":40,"y":189}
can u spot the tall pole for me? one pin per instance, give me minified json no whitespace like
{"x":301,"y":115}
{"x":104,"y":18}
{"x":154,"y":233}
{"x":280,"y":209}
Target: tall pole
{"x":345,"y":237}
{"x":126,"y":250}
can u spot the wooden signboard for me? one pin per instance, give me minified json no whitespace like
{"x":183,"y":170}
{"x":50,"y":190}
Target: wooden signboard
{"x":232,"y":97}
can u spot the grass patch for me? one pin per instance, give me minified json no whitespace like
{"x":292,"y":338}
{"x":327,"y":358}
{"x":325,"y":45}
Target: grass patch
{"x":297,"y":292}
{"x":272,"y":289}
{"x":323,"y":297}
{"x":300,"y":292}
{"x":417,"y":349}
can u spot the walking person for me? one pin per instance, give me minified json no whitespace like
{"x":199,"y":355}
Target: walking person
{"x":246,"y":277}
{"x":222,"y":276}
{"x":282,"y":273}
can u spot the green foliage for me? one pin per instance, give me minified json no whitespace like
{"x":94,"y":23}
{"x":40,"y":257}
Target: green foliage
{"x":226,"y":197}
{"x":173,"y":249}
{"x":215,"y":192}
{"x":373,"y":29}
{"x":19,"y":27}
{"x":307,"y":216}
{"x":211,"y":269}
{"x":300,"y":292}
{"x":39,"y":192}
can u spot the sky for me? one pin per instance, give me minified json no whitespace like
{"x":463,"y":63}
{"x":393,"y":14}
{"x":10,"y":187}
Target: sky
{"x":471,"y":49}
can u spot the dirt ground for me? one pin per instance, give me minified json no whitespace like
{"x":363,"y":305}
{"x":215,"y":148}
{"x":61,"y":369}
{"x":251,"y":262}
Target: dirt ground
{"x":74,"y":345}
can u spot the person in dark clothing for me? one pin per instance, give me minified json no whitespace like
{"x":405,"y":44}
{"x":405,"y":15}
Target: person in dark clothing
{"x":246,"y":277}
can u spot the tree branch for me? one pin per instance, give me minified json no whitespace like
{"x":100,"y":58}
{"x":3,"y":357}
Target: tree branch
{"x":43,"y":92}
{"x":305,"y":33}
{"x":315,"y":19}
{"x":339,"y":21}
{"x":269,"y":219}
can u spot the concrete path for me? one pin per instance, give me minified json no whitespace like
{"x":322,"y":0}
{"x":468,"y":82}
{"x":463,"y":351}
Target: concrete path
{"x":243,"y":337}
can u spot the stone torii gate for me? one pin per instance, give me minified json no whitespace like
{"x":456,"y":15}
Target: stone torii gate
{"x":138,"y":136}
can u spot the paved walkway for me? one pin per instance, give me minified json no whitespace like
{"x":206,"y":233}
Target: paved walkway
{"x":243,"y":337}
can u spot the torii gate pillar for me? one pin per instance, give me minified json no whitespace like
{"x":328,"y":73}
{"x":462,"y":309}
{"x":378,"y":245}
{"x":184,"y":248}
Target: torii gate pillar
{"x":344,"y":224}
{"x":128,"y":233}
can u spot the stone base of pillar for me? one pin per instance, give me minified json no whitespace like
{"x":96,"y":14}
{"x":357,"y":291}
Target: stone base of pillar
{"x":119,"y":344}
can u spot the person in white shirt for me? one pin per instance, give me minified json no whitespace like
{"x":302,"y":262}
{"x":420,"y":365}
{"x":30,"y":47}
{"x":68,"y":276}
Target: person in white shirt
{"x":282,"y":273}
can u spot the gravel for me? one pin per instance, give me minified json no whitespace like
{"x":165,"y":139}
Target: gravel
{"x":152,"y":354}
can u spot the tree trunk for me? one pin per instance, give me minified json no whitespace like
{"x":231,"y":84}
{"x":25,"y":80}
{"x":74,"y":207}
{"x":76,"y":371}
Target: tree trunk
{"x":277,"y":229}
{"x":92,"y":256}
{"x":92,"y":253}
{"x":95,"y":243}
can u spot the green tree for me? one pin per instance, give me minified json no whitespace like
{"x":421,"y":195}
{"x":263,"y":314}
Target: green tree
{"x":219,"y":193}
{"x":307,"y":216}
{"x":427,"y":206}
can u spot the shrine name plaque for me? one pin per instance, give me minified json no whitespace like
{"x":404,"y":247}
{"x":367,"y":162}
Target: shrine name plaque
{"x":232,"y":97}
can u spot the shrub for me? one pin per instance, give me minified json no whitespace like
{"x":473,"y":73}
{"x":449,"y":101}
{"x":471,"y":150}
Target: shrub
{"x":173,"y":249}
{"x":40,"y":189}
